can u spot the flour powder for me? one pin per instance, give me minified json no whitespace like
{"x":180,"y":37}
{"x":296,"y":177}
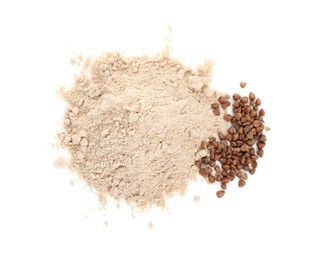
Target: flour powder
{"x":134,"y":124}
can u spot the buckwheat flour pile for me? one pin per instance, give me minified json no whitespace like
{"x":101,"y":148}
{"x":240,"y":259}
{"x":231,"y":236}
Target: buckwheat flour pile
{"x":133,"y":125}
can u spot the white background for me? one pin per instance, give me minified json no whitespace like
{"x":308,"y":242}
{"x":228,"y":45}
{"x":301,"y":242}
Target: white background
{"x":265,"y":43}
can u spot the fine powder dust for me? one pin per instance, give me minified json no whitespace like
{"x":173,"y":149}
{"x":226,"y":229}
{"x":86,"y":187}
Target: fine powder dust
{"x":133,"y":125}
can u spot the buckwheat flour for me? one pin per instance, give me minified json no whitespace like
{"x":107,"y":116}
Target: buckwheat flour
{"x":133,"y":125}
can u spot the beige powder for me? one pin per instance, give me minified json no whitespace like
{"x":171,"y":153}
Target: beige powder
{"x":196,"y":199}
{"x":133,"y":125}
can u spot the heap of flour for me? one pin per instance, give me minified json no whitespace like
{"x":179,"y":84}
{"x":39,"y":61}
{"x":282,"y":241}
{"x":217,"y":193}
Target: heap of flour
{"x":133,"y":125}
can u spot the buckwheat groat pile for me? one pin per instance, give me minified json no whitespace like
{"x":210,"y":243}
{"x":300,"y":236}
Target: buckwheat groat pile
{"x":133,"y":125}
{"x":234,"y":153}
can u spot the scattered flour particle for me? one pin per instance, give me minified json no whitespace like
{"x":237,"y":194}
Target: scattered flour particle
{"x":203,"y":153}
{"x":150,"y":225}
{"x":196,"y":198}
{"x":76,"y":139}
{"x":84,"y":142}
